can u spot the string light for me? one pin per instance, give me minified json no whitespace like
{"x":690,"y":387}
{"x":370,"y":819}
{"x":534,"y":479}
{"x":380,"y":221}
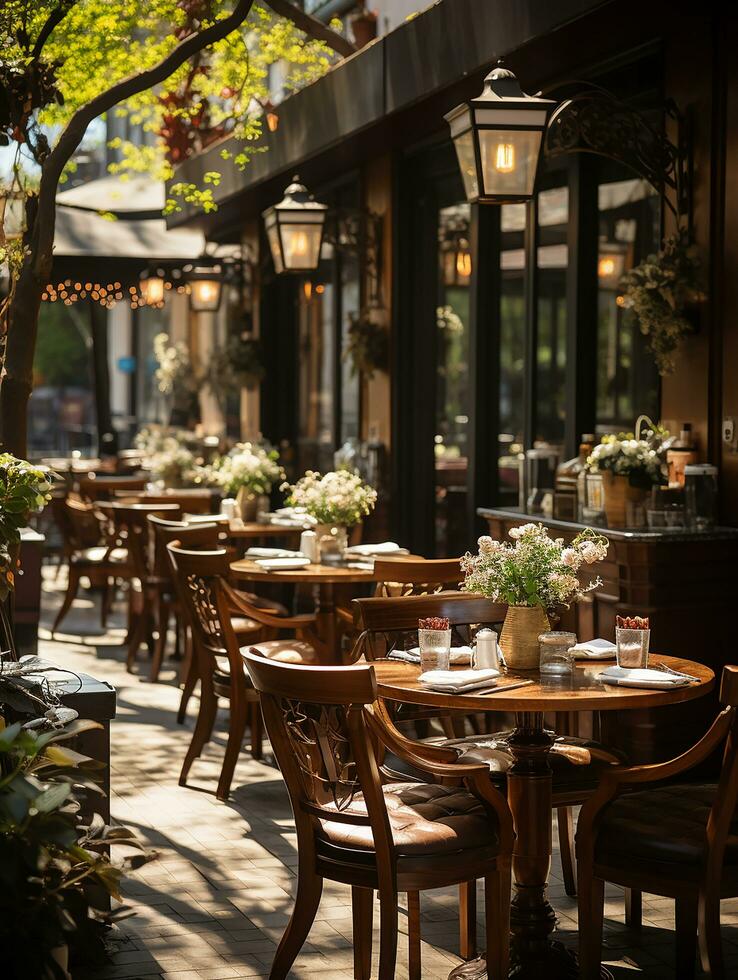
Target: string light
{"x":106,"y":294}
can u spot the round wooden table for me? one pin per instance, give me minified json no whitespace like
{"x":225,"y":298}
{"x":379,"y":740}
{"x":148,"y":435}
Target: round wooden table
{"x":323,"y":578}
{"x":533,"y":953}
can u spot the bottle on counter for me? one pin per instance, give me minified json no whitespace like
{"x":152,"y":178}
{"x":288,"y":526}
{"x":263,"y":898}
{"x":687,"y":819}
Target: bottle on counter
{"x":570,"y":483}
{"x":681,"y":453}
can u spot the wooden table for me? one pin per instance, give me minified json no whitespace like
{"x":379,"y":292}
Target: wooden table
{"x":533,"y":953}
{"x":254,"y":531}
{"x":323,"y":578}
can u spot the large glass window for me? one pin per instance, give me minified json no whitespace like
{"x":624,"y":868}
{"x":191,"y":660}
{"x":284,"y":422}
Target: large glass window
{"x":512,"y":351}
{"x":550,"y":364}
{"x":150,"y":405}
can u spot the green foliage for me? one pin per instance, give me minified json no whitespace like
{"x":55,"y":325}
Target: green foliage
{"x":24,"y":490}
{"x":367,"y":344}
{"x":61,"y":356}
{"x":55,"y":875}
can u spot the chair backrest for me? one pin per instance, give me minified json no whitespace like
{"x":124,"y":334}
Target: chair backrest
{"x":200,"y":536}
{"x":130,"y":522}
{"x":386,"y":622}
{"x":315,"y":719}
{"x":105,"y":487}
{"x":416,"y":576}
{"x":79,"y":523}
{"x":189,"y":501}
{"x":199,"y":578}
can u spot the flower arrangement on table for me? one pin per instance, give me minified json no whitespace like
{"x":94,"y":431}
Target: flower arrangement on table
{"x":660,"y":292}
{"x":533,"y":574}
{"x":642,"y":461}
{"x":24,"y":490}
{"x":248,"y":467}
{"x":340,"y":498}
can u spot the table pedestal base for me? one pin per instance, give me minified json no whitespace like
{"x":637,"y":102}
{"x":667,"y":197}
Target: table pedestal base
{"x":557,"y":963}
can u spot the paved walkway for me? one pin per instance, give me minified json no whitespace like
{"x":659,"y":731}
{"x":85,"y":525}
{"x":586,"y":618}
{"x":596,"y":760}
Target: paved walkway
{"x":215,"y":903}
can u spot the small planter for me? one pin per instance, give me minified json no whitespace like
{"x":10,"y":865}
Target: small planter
{"x":519,"y":638}
{"x":624,"y":503}
{"x":250,"y":504}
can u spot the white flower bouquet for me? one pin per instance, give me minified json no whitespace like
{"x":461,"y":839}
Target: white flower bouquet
{"x":642,"y":460}
{"x":246,"y":466}
{"x":171,"y":464}
{"x":535,"y":570}
{"x":341,"y":498}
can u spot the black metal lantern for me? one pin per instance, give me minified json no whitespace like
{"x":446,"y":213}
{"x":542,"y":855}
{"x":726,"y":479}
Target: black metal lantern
{"x":294,"y":230}
{"x":498,"y":138}
{"x":206,"y":288}
{"x":152,"y":286}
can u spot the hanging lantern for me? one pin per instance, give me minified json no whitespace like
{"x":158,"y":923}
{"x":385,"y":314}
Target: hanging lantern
{"x":498,"y":138}
{"x":294,"y":230}
{"x":206,"y":288}
{"x":152,"y":287}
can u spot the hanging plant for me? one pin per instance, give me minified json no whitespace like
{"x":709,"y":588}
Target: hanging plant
{"x":239,"y":364}
{"x":367,"y":344}
{"x":661,"y":292}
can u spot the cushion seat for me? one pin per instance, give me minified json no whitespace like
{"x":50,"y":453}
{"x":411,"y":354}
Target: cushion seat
{"x":242,"y":624}
{"x":286,"y":651}
{"x":98,"y":554}
{"x":666,"y":825}
{"x":425,"y":819}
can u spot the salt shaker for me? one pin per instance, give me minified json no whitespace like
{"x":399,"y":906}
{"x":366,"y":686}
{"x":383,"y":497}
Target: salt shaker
{"x":309,"y":545}
{"x":485,"y":655}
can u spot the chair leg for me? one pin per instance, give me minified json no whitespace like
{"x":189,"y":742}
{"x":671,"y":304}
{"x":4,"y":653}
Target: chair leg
{"x":591,"y":895}
{"x":387,"y":933}
{"x":362,"y":900}
{"x":468,"y":920}
{"x":203,"y":729}
{"x":633,"y":908}
{"x":309,"y":889}
{"x":413,"y":935}
{"x":138,"y":633}
{"x":257,"y":731}
{"x":565,"y":822}
{"x":106,"y":601}
{"x":711,"y":946}
{"x":686,"y":937}
{"x":236,"y":730}
{"x":69,"y":597}
{"x":497,"y":917}
{"x":162,"y":626}
{"x":190,"y":679}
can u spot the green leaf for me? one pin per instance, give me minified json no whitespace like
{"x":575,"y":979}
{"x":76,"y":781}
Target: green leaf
{"x":53,"y":797}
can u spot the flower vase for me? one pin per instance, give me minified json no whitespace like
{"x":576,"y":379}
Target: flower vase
{"x":519,"y":637}
{"x":624,"y":504}
{"x":247,"y":504}
{"x":332,"y":542}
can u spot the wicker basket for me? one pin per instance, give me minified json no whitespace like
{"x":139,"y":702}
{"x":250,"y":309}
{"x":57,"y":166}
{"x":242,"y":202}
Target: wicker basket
{"x":519,"y":637}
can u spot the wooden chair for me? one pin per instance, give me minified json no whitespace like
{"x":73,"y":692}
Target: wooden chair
{"x":669,"y":838}
{"x":400,"y":837}
{"x":93,"y":487}
{"x":188,"y":501}
{"x":576,"y":762}
{"x":91,"y":553}
{"x":201,"y":578}
{"x":416,"y":576}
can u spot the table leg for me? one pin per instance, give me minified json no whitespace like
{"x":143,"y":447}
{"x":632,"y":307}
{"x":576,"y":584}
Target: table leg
{"x":325,"y":608}
{"x":533,"y":954}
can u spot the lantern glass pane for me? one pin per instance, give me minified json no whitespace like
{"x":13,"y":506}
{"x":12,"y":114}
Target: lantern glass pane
{"x":301,"y":244}
{"x":465,"y":152}
{"x":152,"y":290}
{"x":273,"y":238}
{"x":509,"y":161}
{"x":205,"y":295}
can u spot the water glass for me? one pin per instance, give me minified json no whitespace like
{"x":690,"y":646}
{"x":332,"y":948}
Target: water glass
{"x":632,"y":647}
{"x":556,"y":655}
{"x":435,"y":649}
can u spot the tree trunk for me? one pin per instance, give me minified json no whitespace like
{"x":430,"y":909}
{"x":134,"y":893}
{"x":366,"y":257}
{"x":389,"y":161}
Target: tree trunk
{"x":17,"y":383}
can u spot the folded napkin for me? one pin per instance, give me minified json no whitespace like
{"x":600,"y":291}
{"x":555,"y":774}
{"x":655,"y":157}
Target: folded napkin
{"x":459,"y":655}
{"x":642,"y":677}
{"x":272,"y":553}
{"x":383,"y":548}
{"x":594,"y":650}
{"x":281,"y":564}
{"x":297,"y":522}
{"x":459,"y":681}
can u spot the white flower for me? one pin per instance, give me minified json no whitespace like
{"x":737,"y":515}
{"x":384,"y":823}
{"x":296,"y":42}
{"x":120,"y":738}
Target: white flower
{"x":487,"y":545}
{"x":569,"y":557}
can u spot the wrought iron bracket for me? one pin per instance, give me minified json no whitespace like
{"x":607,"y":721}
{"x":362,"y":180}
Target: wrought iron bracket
{"x":359,"y":230}
{"x":594,"y":121}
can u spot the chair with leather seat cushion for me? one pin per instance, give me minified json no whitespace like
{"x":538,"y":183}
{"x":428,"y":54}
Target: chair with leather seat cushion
{"x":212,"y":607}
{"x":647,"y":829}
{"x":386,"y":838}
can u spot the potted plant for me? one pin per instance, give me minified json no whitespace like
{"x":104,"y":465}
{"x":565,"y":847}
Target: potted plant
{"x":247,"y":473}
{"x":532,"y":575}
{"x":336,"y":501}
{"x":55,"y":872}
{"x":367,"y":345}
{"x":630,"y":466}
{"x":239,"y":364}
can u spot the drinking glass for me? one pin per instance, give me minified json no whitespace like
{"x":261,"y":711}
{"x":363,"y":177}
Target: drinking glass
{"x":632,"y":647}
{"x":556,"y":655}
{"x":435,"y":649}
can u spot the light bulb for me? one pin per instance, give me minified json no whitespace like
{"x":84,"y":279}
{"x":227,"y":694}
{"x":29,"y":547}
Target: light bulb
{"x":463,"y":264}
{"x":505,"y":158}
{"x":300,"y":244}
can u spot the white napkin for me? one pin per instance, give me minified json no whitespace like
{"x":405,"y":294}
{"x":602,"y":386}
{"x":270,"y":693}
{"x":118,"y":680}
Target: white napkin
{"x":383,"y":548}
{"x":642,"y":677}
{"x":459,"y":655}
{"x":281,"y":564}
{"x":297,"y":522}
{"x":594,"y":650}
{"x":272,"y":553}
{"x":459,"y":681}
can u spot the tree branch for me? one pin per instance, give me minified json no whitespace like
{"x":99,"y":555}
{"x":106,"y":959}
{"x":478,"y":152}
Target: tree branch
{"x":55,"y":17}
{"x":313,"y":27}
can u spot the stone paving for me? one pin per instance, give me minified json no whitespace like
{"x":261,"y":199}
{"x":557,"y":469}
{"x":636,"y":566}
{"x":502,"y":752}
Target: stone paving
{"x":214,"y":904}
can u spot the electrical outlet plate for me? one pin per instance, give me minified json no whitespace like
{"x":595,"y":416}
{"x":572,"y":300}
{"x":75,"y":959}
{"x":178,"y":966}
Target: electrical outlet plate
{"x":729,"y":431}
